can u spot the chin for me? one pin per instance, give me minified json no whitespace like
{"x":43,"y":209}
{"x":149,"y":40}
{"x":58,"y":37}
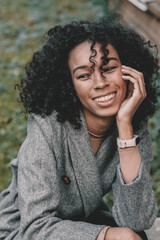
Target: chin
{"x":105,"y":114}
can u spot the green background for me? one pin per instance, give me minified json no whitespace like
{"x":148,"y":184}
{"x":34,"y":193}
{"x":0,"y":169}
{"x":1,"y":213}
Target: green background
{"x":23,"y":25}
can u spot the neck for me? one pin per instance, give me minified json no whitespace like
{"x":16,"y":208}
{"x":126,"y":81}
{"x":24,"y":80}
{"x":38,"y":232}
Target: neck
{"x":96,"y":125}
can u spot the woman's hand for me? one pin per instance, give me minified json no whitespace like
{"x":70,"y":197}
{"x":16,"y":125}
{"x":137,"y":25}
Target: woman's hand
{"x":136,"y":93}
{"x":121,"y":233}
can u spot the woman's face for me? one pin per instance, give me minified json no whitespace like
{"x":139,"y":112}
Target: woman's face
{"x":100,"y":95}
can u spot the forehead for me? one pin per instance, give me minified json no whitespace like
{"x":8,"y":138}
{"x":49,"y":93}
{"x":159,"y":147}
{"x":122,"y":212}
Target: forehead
{"x":80,"y":54}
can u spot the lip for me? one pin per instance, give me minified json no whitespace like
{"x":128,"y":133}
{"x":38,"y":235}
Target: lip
{"x":103,"y":95}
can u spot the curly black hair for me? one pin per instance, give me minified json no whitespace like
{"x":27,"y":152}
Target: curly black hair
{"x":48,"y":85}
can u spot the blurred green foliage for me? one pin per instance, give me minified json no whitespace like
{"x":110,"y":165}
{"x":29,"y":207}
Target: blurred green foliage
{"x":23,"y":25}
{"x":154,"y":127}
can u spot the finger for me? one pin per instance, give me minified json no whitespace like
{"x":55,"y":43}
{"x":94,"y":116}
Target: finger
{"x":132,"y":69}
{"x":137,"y":76}
{"x":136,"y":88}
{"x":132,"y":80}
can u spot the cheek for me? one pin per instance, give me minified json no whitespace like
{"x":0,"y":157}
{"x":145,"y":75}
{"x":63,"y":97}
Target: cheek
{"x":124,"y":88}
{"x":122,"y":84}
{"x":123,"y":91}
{"x":82,"y":88}
{"x":81,"y":91}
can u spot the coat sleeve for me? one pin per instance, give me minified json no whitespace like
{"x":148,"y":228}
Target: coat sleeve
{"x":134,"y":203}
{"x":9,"y":213}
{"x":39,"y":191}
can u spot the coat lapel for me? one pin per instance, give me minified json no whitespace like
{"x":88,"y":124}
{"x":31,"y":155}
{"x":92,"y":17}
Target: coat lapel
{"x":84,"y":164}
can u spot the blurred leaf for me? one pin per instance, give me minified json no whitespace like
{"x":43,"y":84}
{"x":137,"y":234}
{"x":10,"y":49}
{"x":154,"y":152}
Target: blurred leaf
{"x":3,"y":87}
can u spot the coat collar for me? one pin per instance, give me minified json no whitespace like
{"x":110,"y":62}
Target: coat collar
{"x":85,"y":166}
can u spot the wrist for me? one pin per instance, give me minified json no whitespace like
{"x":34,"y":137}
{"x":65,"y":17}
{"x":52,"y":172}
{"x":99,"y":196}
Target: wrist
{"x":125,"y":129}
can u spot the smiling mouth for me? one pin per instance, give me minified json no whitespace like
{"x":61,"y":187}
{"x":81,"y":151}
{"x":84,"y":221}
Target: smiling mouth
{"x":105,"y":98}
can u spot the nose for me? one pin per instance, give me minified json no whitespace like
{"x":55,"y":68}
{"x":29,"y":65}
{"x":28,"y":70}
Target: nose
{"x":100,"y":81}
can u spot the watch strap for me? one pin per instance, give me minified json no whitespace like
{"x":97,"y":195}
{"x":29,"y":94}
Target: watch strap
{"x":121,"y":143}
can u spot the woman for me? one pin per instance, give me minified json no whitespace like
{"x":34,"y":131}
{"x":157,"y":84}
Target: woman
{"x":89,"y":92}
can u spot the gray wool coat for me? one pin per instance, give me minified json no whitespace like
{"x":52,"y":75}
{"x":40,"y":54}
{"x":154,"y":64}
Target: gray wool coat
{"x":58,"y":182}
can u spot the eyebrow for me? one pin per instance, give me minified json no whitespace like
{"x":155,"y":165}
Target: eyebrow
{"x":85,"y":66}
{"x":112,"y":58}
{"x":80,"y":67}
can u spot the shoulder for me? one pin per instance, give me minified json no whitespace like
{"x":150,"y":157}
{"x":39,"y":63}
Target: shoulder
{"x":46,"y":122}
{"x":49,"y":127}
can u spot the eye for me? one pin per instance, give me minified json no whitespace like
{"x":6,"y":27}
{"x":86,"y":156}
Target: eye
{"x":108,"y":69}
{"x":84,"y":76}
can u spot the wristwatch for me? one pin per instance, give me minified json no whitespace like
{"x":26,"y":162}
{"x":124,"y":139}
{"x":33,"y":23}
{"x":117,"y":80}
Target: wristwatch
{"x":128,"y":143}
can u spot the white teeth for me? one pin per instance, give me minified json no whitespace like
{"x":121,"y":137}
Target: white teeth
{"x":106,"y":98}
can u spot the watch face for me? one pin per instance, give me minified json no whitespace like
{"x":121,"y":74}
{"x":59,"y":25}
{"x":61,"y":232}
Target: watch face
{"x":137,"y":140}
